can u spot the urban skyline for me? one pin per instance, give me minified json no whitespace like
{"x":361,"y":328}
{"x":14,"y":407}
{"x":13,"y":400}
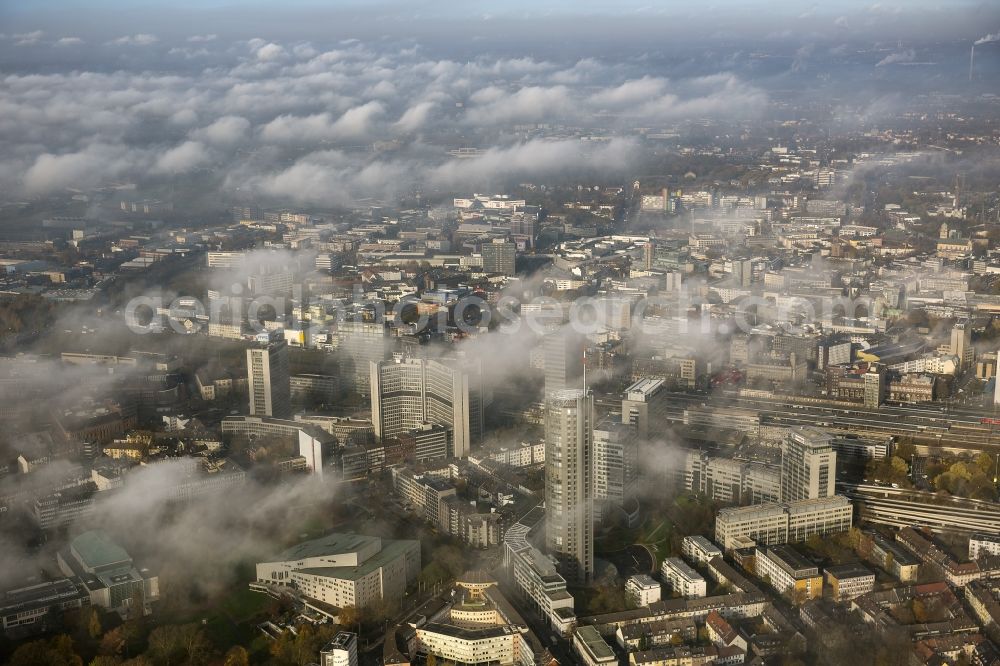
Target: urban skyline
{"x":525,"y":334}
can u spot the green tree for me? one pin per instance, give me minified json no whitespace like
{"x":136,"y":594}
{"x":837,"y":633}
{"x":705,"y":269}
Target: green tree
{"x":899,"y":468}
{"x":960,"y":470}
{"x":986,"y":463}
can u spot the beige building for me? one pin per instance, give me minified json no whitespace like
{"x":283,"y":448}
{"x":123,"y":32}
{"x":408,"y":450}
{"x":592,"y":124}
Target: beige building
{"x":849,"y":581}
{"x":773,"y":523}
{"x":569,"y":496}
{"x":268,"y":380}
{"x":789,"y":573}
{"x":344,"y":569}
{"x":408,"y":393}
{"x":808,"y":465}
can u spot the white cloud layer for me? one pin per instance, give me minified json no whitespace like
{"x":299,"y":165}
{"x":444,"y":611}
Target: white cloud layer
{"x":305,"y":114}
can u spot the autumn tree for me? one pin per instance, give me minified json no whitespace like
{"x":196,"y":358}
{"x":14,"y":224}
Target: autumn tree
{"x":176,"y":644}
{"x":94,"y":628}
{"x":106,"y":660}
{"x":237,"y":656}
{"x":57,"y":651}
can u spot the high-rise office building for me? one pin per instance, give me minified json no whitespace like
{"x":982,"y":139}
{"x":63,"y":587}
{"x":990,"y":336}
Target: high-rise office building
{"x":563,"y":353}
{"x":268,"y":380}
{"x":875,"y":384}
{"x":643,"y":406}
{"x":499,"y":257}
{"x":808,"y":465}
{"x":961,"y":344}
{"x":359,"y":343}
{"x":666,"y":255}
{"x":615,"y":468}
{"x":407,"y":393}
{"x":742,"y":272}
{"x":268,"y":282}
{"x":569,"y":499}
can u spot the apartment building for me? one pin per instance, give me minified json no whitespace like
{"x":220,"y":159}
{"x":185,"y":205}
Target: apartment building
{"x":682,"y":579}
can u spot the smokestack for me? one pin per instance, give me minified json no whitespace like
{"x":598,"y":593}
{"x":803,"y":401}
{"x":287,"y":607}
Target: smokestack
{"x":972,"y":60}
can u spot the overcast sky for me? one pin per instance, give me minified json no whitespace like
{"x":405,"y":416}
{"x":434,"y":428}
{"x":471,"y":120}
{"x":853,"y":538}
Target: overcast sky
{"x":895,"y":19}
{"x":325,"y":103}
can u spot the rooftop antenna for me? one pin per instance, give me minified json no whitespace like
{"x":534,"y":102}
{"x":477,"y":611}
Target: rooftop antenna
{"x":972,"y":60}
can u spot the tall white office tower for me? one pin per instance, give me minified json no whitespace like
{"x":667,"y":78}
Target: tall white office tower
{"x":269,"y":383}
{"x":359,"y":343}
{"x":569,"y":498}
{"x":407,"y":393}
{"x":563,"y":352}
{"x":808,"y":465}
{"x":615,"y":468}
{"x":961,"y":344}
{"x":499,"y":257}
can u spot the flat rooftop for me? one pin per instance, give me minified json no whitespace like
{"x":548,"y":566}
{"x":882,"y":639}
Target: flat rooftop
{"x":591,"y":639}
{"x":97,"y":550}
{"x":331,"y":544}
{"x":791,"y":558}
{"x":390,"y":551}
{"x":850,"y":570}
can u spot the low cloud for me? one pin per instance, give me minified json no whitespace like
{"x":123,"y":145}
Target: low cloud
{"x":185,"y":157}
{"x":288,"y":105}
{"x":909,"y":55}
{"x":271,"y":51}
{"x":139,"y":39}
{"x":28,"y":38}
{"x":84,"y":168}
{"x":226,"y":131}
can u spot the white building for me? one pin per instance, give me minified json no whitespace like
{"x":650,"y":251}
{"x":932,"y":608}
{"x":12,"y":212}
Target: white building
{"x":108,"y":574}
{"x":773,"y":523}
{"x":535,"y":574}
{"x":788,"y":572}
{"x":591,"y":649}
{"x":616,"y":467}
{"x":569,"y":498}
{"x":699,"y":550}
{"x":808,"y":465}
{"x":469,"y":645}
{"x":641,"y":404}
{"x":341,"y":651}
{"x":682,"y":579}
{"x":849,"y":581}
{"x":345,"y":569}
{"x":481,"y":627}
{"x":268,"y":380}
{"x":642,"y":589}
{"x":408,"y":393}
{"x":981,"y":545}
